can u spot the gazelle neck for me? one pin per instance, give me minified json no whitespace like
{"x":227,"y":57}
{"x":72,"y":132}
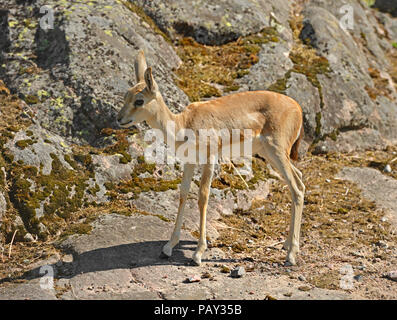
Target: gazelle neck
{"x":162,"y":118}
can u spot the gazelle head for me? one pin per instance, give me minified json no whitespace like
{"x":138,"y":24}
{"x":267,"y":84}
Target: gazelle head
{"x":140,"y":101}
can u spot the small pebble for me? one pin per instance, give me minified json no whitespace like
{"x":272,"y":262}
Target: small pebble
{"x":28,"y":237}
{"x":358,"y":277}
{"x":381,"y":244}
{"x":194,"y":278}
{"x":304,"y":288}
{"x":225,"y":269}
{"x":302,"y":278}
{"x":237,"y":272}
{"x":387,"y":168}
{"x":392,"y":275}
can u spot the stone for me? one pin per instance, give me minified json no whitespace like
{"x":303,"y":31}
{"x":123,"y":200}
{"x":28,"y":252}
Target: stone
{"x":237,"y":272}
{"x":193,"y":278}
{"x":216,"y":22}
{"x":392,"y":275}
{"x":302,"y":278}
{"x":28,"y":237}
{"x":387,"y":168}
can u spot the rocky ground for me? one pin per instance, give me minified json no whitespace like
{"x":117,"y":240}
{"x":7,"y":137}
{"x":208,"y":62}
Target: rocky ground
{"x":77,"y":194}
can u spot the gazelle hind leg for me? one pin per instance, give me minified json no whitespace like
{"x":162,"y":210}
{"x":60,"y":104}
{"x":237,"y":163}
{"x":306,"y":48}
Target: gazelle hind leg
{"x":204,"y":191}
{"x":188,"y":172}
{"x":278,"y":159}
{"x":298,"y":179}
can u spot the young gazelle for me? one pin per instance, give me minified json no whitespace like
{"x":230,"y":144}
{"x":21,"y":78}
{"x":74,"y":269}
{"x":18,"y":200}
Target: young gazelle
{"x":276,"y":124}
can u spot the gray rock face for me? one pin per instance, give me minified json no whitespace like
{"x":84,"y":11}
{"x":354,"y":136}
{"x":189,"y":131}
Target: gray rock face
{"x":346,"y":105}
{"x":215,"y":22}
{"x":86,"y":66}
{"x":272,"y":65}
{"x":300,"y":89}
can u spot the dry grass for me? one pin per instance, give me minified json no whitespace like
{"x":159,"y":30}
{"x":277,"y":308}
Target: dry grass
{"x":339,"y":226}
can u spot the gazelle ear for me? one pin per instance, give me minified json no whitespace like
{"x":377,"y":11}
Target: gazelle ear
{"x":149,"y":80}
{"x":140,"y":66}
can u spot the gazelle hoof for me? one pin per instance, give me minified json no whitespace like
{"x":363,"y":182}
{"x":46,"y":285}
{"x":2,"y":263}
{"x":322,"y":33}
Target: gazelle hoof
{"x":166,"y":252}
{"x":196,"y":260}
{"x":290,"y":261}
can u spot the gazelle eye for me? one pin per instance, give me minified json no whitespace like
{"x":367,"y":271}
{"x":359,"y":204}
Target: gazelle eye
{"x":138,"y":103}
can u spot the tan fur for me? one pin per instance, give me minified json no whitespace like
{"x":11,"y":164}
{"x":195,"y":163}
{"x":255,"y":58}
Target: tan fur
{"x":275,"y":120}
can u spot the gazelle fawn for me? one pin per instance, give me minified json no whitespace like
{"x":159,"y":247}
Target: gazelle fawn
{"x":277,"y":128}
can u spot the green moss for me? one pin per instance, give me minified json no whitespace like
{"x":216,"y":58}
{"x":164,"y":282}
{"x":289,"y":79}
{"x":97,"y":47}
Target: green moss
{"x":22,"y":144}
{"x":93,"y":191}
{"x":161,"y":217}
{"x":204,"y":66}
{"x":318,"y":124}
{"x":29,"y":133}
{"x":280,"y":85}
{"x":141,"y":13}
{"x":137,"y":185}
{"x":32,"y":99}
{"x":120,"y":146}
{"x":81,"y":228}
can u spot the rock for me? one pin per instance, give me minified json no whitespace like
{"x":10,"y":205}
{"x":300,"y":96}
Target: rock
{"x":216,"y":22}
{"x":358,"y":278}
{"x":237,"y":272}
{"x":225,"y":269}
{"x":386,"y":6}
{"x":304,"y":288}
{"x":194,"y":278}
{"x":387,"y":168}
{"x":94,"y":54}
{"x":392,"y":275}
{"x":308,"y":34}
{"x":28,"y":237}
{"x":302,"y":278}
{"x":381,"y":244}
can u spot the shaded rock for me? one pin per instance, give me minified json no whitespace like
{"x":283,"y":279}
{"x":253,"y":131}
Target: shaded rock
{"x":386,"y":6}
{"x":237,"y":272}
{"x":215,"y":22}
{"x":392,"y":275}
{"x":308,"y":34}
{"x":86,"y":65}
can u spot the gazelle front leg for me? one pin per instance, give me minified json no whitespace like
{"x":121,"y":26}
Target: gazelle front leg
{"x":188,"y":172}
{"x":204,"y":191}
